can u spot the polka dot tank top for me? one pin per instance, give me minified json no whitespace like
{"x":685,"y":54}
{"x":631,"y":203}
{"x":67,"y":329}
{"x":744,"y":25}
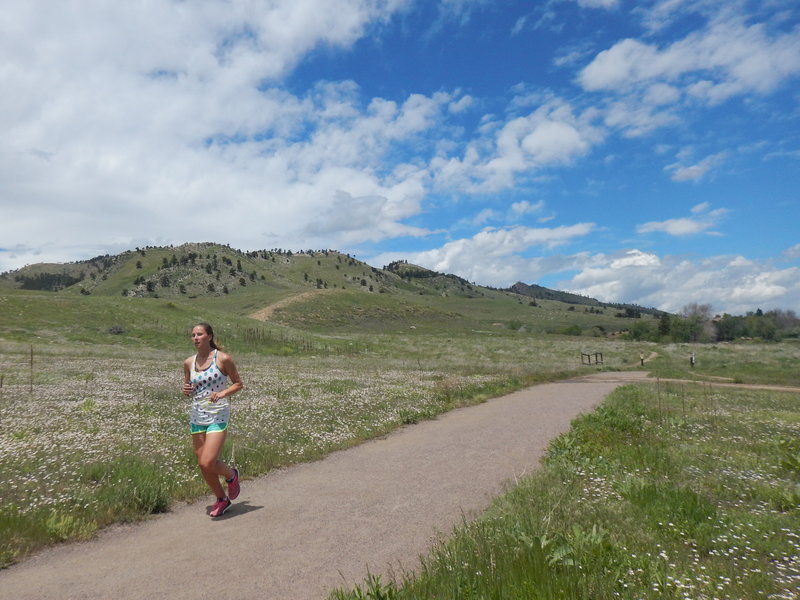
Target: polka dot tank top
{"x":206,"y":382}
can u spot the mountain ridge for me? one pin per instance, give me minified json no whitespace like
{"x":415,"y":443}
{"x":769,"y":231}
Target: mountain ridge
{"x":209,"y":269}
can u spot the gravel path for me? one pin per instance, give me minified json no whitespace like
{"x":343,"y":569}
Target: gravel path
{"x":300,"y":532}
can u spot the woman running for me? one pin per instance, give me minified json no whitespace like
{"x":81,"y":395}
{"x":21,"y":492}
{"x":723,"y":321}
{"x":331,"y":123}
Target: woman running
{"x":205,"y":378}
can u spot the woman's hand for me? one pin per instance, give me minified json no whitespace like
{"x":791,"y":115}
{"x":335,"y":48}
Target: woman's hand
{"x":214,"y":396}
{"x":188,"y":388}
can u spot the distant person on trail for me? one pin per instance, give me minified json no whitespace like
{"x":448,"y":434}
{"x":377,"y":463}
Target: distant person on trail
{"x":205,"y":379}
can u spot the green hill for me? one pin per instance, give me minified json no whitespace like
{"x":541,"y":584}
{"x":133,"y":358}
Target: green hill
{"x":543,"y":293}
{"x":307,"y":293}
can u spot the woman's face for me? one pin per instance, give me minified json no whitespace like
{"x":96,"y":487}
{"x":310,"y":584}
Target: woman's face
{"x":200,"y":337}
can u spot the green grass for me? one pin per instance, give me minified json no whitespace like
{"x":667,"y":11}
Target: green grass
{"x":663,"y":492}
{"x":121,"y":451}
{"x":329,"y":372}
{"x":45,"y":318}
{"x":743,"y":362}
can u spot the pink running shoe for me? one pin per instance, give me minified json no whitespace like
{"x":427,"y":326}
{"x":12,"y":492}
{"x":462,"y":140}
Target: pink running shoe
{"x":220,"y":507}
{"x":233,"y":485}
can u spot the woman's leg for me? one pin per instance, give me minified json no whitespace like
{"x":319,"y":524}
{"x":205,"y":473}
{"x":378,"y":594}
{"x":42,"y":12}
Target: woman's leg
{"x":207,"y":447}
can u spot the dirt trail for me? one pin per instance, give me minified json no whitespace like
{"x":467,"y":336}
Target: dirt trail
{"x":300,"y":532}
{"x":265,"y":314}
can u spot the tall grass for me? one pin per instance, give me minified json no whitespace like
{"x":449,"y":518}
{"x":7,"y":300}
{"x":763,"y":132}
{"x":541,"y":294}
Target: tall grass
{"x":663,"y":492}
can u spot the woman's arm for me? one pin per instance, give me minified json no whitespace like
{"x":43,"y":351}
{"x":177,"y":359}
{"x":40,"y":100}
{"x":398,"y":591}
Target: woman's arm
{"x":187,"y":369}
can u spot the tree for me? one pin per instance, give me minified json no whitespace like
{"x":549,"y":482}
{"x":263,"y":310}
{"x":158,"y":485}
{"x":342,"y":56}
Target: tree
{"x":729,"y":328}
{"x":642,"y":330}
{"x":698,"y":326}
{"x":664,"y":325}
{"x":686,"y":330}
{"x":761,"y":326}
{"x":700,"y":311}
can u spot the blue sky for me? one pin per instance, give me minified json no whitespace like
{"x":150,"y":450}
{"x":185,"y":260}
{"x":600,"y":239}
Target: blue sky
{"x":643,"y":152}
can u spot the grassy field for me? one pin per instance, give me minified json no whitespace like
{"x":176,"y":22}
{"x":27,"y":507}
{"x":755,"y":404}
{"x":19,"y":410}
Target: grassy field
{"x":98,"y":433}
{"x":745,"y":362}
{"x":666,"y":491}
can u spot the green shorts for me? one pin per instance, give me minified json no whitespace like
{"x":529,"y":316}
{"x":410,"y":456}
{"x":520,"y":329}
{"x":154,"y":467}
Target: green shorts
{"x":213,"y":428}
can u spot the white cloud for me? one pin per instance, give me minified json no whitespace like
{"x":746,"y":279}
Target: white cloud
{"x":598,"y":3}
{"x":551,"y":135}
{"x":762,"y":287}
{"x":355,"y":219}
{"x":635,"y":258}
{"x":676,"y":227}
{"x":524,"y":207}
{"x":730,"y":284}
{"x":694,"y":172}
{"x":519,"y":25}
{"x":483,"y":217}
{"x":462,"y":104}
{"x":645,"y":87}
{"x":132,"y":126}
{"x":492,"y":256}
{"x":706,"y":62}
{"x":660,"y":94}
{"x":703,"y":222}
{"x":792,"y":253}
{"x":636,"y":119}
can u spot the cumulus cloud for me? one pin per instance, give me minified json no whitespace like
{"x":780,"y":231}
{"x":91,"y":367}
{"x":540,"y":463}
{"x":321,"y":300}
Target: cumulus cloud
{"x":551,"y":135}
{"x":163,"y":116}
{"x":705,"y":62}
{"x":651,"y":82}
{"x":702,"y":222}
{"x":493,"y":256}
{"x":347,"y":219}
{"x":137,"y":124}
{"x":730,"y":283}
